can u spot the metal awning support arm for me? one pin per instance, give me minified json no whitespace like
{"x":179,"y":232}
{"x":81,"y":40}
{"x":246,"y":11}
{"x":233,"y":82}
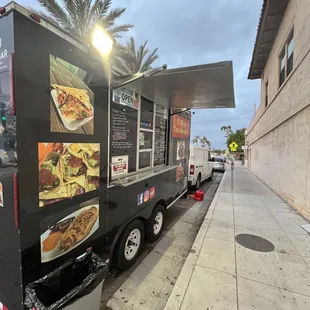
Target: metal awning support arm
{"x":182,"y":110}
{"x":140,"y":76}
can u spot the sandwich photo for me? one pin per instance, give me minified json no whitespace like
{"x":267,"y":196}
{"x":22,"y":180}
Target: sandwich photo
{"x":79,"y":228}
{"x":66,"y":234}
{"x":72,"y":101}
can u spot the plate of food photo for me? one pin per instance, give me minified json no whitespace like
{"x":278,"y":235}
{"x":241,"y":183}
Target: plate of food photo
{"x":73,"y":106}
{"x":69,"y":233}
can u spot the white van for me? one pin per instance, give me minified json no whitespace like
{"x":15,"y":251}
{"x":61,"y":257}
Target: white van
{"x":200,"y":166}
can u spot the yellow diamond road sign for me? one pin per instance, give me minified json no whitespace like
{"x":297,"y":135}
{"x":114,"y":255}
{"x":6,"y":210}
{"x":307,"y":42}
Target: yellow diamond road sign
{"x":233,"y":146}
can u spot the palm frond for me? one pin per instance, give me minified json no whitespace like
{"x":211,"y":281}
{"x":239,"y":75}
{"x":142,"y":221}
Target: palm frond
{"x":45,"y":16}
{"x":115,"y":30}
{"x":97,"y":11}
{"x":151,"y":58}
{"x":56,"y":11}
{"x":141,"y":53}
{"x":136,"y":59}
{"x":102,"y":7}
{"x":113,"y":15}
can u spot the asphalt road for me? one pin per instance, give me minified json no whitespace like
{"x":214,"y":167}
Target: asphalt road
{"x":115,"y":278}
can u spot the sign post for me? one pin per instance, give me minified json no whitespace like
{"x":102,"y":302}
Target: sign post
{"x":232,"y":175}
{"x":233,"y":148}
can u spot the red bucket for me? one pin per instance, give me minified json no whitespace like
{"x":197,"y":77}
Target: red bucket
{"x":199,"y":195}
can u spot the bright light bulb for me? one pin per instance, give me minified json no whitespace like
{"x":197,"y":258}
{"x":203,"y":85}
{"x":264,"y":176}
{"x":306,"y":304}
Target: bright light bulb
{"x":102,"y":41}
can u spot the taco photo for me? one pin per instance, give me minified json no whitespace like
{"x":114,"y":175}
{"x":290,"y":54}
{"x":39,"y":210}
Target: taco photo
{"x":180,"y":150}
{"x":179,"y":172}
{"x":67,"y":170}
{"x":72,"y":101}
{"x":68,"y":233}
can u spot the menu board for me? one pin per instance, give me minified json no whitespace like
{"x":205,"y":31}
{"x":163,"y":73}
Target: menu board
{"x":123,"y":124}
{"x":160,"y":140}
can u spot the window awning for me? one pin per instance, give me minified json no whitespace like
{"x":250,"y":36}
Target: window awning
{"x":198,"y":87}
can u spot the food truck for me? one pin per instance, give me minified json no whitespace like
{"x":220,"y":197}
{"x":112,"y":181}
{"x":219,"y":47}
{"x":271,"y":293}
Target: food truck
{"x":101,"y":155}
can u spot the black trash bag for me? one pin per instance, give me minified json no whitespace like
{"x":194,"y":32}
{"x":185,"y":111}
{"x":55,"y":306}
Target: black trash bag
{"x":66,"y":284}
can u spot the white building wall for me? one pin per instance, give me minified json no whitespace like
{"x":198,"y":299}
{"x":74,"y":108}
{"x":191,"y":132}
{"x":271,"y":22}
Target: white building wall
{"x":279,"y":135}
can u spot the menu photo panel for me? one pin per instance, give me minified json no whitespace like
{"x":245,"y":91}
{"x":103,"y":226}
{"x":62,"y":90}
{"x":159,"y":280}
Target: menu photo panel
{"x":66,"y":170}
{"x":72,"y":101}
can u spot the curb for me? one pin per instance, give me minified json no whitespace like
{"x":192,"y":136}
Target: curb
{"x":176,"y":297}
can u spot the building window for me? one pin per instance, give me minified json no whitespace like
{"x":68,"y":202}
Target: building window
{"x":287,"y":58}
{"x":290,"y":54}
{"x":266,"y":94}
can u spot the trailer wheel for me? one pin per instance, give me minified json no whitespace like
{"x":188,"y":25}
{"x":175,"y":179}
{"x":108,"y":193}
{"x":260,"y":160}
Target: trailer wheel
{"x":155,"y":224}
{"x":130,"y":245}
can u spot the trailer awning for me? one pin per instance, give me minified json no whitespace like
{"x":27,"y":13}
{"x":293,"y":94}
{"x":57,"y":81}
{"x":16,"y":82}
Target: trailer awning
{"x":198,"y":87}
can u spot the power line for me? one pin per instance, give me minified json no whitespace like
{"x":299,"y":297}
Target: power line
{"x":222,"y":120}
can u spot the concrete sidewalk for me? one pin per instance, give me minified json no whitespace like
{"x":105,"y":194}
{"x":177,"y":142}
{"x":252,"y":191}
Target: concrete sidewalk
{"x":220,"y":273}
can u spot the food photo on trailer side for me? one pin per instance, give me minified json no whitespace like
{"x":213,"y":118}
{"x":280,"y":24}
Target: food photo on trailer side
{"x":67,"y":170}
{"x":72,"y":101}
{"x":66,"y":230}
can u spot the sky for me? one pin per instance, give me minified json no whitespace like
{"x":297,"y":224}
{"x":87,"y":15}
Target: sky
{"x":199,"y":32}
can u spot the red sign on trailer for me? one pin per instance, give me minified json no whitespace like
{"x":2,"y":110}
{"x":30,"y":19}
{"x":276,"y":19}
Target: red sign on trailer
{"x":181,"y":127}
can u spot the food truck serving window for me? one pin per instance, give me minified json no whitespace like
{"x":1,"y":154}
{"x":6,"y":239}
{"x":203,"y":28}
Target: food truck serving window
{"x":138,"y":133}
{"x":146,"y":132}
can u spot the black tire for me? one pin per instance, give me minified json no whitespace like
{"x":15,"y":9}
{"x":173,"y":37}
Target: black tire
{"x":211,"y":176}
{"x":151,"y":235}
{"x":122,"y":262}
{"x":198,"y":182}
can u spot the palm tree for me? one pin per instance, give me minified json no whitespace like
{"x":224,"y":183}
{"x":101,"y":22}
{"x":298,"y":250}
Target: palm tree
{"x":196,"y":140}
{"x":227,"y":130}
{"x":132,"y":59}
{"x":78,"y":17}
{"x":204,"y":142}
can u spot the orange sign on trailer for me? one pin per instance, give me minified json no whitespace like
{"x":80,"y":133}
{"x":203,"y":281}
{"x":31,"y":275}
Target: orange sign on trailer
{"x":181,"y":127}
